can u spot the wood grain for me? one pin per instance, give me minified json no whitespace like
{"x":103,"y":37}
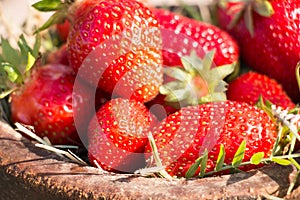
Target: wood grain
{"x":28,"y":172}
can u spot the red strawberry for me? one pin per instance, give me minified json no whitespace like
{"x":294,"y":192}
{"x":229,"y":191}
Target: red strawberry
{"x":271,"y":46}
{"x":47,"y":102}
{"x":63,"y":30}
{"x":115,"y":44}
{"x":183,"y":136}
{"x":59,"y":56}
{"x":250,"y":86}
{"x":118,"y":135}
{"x":181,"y":35}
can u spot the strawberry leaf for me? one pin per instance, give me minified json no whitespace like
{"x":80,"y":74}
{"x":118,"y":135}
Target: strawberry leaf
{"x":9,"y":54}
{"x":47,"y":5}
{"x":221,"y":157}
{"x":257,"y":158}
{"x":30,"y":62}
{"x":281,"y":161}
{"x":263,"y":8}
{"x":12,"y":72}
{"x":56,"y":18}
{"x":176,"y":73}
{"x":199,"y":162}
{"x":203,"y":163}
{"x":239,"y":155}
{"x":249,"y":20}
{"x":193,"y":168}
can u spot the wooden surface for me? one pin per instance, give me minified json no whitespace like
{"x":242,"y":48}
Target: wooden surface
{"x":28,"y":172}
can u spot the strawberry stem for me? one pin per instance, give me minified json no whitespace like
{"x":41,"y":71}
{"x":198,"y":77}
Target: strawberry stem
{"x":157,"y":160}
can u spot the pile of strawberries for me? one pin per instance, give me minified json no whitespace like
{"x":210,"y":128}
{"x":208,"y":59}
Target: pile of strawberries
{"x":142,"y":87}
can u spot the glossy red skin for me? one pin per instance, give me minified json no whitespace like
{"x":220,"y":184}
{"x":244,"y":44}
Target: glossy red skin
{"x":63,"y":30}
{"x":175,"y":29}
{"x":45,"y":102}
{"x":208,"y":37}
{"x":275,"y":48}
{"x":118,"y":135}
{"x":98,"y":24}
{"x":250,"y":86}
{"x":183,"y":136}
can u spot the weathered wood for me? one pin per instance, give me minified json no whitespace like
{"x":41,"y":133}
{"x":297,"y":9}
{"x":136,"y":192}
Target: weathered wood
{"x":28,"y":172}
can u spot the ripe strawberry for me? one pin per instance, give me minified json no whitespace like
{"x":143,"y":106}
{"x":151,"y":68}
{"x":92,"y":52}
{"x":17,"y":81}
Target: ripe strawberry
{"x":181,"y":35}
{"x":47,"y":102}
{"x":118,"y":135}
{"x":59,"y":56}
{"x":63,"y":30}
{"x":251,"y":85}
{"x":115,"y":44}
{"x":183,"y":136}
{"x":268,"y":37}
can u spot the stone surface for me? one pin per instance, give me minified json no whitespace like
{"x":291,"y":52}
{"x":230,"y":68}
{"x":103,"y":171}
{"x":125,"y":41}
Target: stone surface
{"x":28,"y":172}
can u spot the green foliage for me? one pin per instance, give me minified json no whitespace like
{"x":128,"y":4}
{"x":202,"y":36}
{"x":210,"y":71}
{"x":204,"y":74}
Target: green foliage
{"x":60,"y":14}
{"x":47,"y":5}
{"x":15,"y":64}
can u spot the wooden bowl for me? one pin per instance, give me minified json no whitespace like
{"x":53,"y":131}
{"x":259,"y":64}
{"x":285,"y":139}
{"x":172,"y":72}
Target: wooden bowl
{"x":29,"y":172}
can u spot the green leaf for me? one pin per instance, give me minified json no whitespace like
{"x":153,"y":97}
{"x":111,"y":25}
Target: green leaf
{"x":281,"y":161}
{"x":221,"y":157}
{"x":239,"y":155}
{"x":30,"y":62}
{"x":193,"y":168}
{"x":203,"y":163}
{"x":47,"y":5}
{"x":257,"y":157}
{"x":222,"y":71}
{"x":208,"y":59}
{"x":37,"y":45}
{"x":23,"y":46}
{"x":263,"y":8}
{"x":56,"y":18}
{"x":248,"y":17}
{"x":176,"y":95}
{"x":176,"y":72}
{"x":9,"y":54}
{"x":13,"y":73}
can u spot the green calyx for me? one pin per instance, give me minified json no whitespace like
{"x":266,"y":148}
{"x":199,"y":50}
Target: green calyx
{"x":261,"y":7}
{"x":15,"y":64}
{"x":60,"y":14}
{"x":197,"y":82}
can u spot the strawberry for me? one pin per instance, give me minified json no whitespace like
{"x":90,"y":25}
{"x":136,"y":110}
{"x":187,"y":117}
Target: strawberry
{"x":185,"y":135}
{"x":250,"y":86}
{"x":181,"y":35}
{"x":268,"y":37}
{"x":59,"y":56}
{"x":63,"y":30}
{"x":47,"y":97}
{"x":118,"y":135}
{"x":115,"y":44}
{"x":47,"y":102}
